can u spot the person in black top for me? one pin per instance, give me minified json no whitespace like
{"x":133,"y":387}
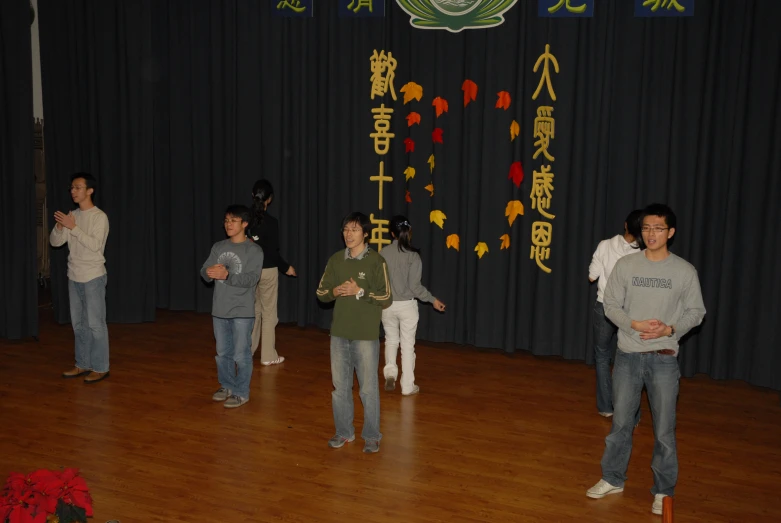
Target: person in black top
{"x":264,"y":230}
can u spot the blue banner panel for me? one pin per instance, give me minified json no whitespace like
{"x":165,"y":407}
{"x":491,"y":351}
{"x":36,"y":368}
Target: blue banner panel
{"x":361,"y":8}
{"x":644,"y":8}
{"x":565,"y":8}
{"x":293,"y":8}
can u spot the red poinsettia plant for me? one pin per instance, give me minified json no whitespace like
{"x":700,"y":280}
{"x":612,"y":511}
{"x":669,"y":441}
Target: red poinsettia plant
{"x":45,"y":496}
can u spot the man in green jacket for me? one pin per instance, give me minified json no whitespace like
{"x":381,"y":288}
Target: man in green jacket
{"x":357,"y":278}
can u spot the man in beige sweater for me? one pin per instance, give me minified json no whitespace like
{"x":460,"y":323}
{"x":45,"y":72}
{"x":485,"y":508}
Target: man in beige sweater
{"x":85,"y":231}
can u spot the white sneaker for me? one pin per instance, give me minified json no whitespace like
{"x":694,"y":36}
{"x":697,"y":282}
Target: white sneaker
{"x":602,"y":489}
{"x":273,"y":362}
{"x":414,"y":391}
{"x":606,"y":414}
{"x":656,"y":508}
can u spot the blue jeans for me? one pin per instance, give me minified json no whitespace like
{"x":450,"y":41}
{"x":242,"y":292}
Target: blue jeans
{"x":88,"y":317}
{"x":659,"y":374}
{"x":363,"y":356}
{"x":234,"y":353}
{"x":603,"y":335}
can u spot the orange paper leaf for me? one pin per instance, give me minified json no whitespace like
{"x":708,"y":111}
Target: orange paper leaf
{"x":516,"y":173}
{"x":413,"y":118}
{"x":408,"y":198}
{"x":505,"y":241}
{"x":503,"y":101}
{"x":440,"y":104}
{"x":436,"y":135}
{"x":470,"y":91}
{"x":431,"y":163}
{"x":437,"y":217}
{"x":409,"y":172}
{"x":452,"y":241}
{"x":409,"y":145}
{"x":515,"y":130}
{"x":513,"y":209}
{"x":412,"y":90}
{"x":481,"y":248}
{"x":430,"y":188}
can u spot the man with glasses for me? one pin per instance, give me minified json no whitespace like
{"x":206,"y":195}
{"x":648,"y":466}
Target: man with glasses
{"x":85,"y":231}
{"x":357,"y":279}
{"x":654,"y":298}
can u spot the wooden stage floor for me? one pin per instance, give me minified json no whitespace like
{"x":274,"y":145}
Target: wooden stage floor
{"x":490,"y":438}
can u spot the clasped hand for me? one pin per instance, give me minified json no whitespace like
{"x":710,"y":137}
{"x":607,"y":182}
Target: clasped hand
{"x":348,"y":288}
{"x":64,"y":220}
{"x":217,"y":272}
{"x":650,"y":329}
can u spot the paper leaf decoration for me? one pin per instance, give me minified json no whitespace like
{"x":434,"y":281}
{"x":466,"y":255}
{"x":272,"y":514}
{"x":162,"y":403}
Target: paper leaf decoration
{"x":407,"y":197}
{"x":412,"y":90}
{"x":440,"y":104}
{"x":430,"y":188}
{"x":413,"y":118}
{"x":452,"y":241}
{"x":437,"y":217}
{"x":436,"y":135}
{"x":516,"y":173}
{"x":470,"y":91}
{"x":503,"y":101}
{"x":505,"y":241}
{"x":481,"y":248}
{"x":513,"y":209}
{"x":431,"y":163}
{"x":409,"y":172}
{"x":515,"y":130}
{"x":409,"y":145}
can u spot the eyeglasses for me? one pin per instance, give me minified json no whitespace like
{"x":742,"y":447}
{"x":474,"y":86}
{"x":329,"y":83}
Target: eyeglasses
{"x":77,"y":187}
{"x":653,"y":230}
{"x":356,"y":230}
{"x":233,"y":220}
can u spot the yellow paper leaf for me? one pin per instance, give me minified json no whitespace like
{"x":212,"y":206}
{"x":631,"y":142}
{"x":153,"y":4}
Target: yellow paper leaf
{"x":431,"y":162}
{"x":513,"y":209}
{"x":452,"y":241}
{"x":481,"y":248}
{"x":412,"y":90}
{"x":430,"y":188}
{"x":409,"y":172}
{"x":505,"y":241}
{"x":437,"y":217}
{"x":515,"y":129}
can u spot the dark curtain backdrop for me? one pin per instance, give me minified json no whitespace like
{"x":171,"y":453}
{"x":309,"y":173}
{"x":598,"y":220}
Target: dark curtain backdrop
{"x":178,"y":106}
{"x":18,"y":259}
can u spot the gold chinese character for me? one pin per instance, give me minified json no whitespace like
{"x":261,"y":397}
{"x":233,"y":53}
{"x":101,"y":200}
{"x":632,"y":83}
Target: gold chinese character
{"x":664,"y":3}
{"x":382,"y":179}
{"x":382,"y":137}
{"x":295,"y":5}
{"x":361,"y":3}
{"x":383,"y":73}
{"x":542,"y":233}
{"x":542,"y":185}
{"x":571,"y":9}
{"x":545,"y":57}
{"x":378,"y":233}
{"x":544,"y":131}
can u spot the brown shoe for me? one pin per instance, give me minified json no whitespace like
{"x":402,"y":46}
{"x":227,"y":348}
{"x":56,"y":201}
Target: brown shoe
{"x":95,"y":377}
{"x":75,"y":372}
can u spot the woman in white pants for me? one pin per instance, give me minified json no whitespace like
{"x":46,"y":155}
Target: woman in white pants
{"x":400,"y":320}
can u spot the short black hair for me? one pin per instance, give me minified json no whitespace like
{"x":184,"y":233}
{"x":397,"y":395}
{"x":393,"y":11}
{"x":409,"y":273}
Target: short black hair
{"x":362,"y":220}
{"x":238,"y":211}
{"x":89,"y":180}
{"x":663,"y":211}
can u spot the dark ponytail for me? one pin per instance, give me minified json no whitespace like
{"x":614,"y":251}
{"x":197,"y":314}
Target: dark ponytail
{"x":261,"y":191}
{"x":400,"y":227}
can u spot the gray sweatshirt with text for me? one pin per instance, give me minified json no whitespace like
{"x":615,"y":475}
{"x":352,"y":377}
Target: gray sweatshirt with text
{"x":639,"y":289}
{"x":235,"y":296}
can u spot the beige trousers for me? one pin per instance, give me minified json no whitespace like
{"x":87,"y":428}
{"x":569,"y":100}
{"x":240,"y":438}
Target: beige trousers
{"x":266,"y":315}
